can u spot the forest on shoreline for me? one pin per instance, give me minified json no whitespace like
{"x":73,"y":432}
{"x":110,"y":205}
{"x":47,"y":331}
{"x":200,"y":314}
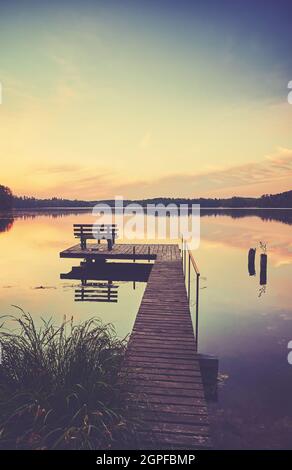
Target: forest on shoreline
{"x":9,"y":201}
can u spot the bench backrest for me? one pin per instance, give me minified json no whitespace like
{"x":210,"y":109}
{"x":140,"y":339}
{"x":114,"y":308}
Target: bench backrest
{"x":96,"y":231}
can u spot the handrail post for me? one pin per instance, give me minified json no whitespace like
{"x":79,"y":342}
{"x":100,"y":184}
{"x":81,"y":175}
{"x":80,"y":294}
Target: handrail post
{"x":197,"y":309}
{"x":189,"y":278}
{"x":182,"y":251}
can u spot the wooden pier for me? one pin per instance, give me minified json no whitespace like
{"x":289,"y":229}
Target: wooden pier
{"x":161,"y":363}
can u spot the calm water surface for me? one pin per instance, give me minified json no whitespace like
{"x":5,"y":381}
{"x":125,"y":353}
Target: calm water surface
{"x":245,"y":325}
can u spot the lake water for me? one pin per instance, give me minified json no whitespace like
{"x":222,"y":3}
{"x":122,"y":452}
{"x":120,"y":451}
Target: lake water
{"x":246,"y":325}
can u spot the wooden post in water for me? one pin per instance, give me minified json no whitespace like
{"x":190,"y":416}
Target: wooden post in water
{"x":251,"y":261}
{"x":263,"y":271}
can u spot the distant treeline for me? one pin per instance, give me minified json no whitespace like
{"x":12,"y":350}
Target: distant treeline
{"x":265,"y":214}
{"x":283,"y":200}
{"x":6,"y":198}
{"x":54,"y":202}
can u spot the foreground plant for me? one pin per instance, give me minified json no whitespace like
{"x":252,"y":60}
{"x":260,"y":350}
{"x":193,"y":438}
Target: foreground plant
{"x":61,"y":389}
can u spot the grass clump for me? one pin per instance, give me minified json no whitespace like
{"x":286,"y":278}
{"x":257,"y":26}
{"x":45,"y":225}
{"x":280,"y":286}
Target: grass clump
{"x":62,"y":389}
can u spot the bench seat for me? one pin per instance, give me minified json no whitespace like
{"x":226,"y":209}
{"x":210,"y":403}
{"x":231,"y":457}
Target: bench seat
{"x":84,"y":232}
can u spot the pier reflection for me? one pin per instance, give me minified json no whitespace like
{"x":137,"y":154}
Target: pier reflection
{"x":96,"y":292}
{"x":99,"y":280}
{"x":209,"y":366}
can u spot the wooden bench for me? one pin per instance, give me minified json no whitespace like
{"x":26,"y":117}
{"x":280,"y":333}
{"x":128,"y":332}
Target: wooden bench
{"x":97,"y":232}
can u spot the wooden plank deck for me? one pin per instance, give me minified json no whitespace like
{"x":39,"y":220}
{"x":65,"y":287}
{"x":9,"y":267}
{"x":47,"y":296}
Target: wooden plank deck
{"x":122,"y":251}
{"x":162,"y":365}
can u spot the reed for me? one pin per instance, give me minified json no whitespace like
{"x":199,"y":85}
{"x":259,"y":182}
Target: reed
{"x":60,"y":387}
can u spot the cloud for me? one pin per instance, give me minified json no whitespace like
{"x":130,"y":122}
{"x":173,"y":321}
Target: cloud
{"x":62,"y":168}
{"x":272,"y":170}
{"x":76,"y":181}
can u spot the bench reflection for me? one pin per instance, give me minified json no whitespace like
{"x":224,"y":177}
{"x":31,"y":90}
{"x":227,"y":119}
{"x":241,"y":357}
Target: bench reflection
{"x":108,"y":274}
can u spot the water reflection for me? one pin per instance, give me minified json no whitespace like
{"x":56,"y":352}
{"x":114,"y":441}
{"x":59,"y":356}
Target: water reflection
{"x":248,"y":334}
{"x":209,"y":366}
{"x":6,"y":223}
{"x":96,"y":292}
{"x":108,"y":273}
{"x":277,"y":215}
{"x":111,"y":271}
{"x":50,"y":213}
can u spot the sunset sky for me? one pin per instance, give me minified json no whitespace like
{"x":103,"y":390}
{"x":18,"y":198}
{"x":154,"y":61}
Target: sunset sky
{"x":145,"y":98}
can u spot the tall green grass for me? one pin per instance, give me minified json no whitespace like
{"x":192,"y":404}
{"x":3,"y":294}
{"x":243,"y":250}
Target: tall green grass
{"x":60,"y":387}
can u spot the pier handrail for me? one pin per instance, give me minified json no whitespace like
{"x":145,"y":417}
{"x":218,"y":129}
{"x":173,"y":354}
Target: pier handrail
{"x":185,"y":250}
{"x":194,"y":262}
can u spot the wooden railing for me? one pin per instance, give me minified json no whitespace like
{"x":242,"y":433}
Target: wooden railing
{"x":188,"y":255}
